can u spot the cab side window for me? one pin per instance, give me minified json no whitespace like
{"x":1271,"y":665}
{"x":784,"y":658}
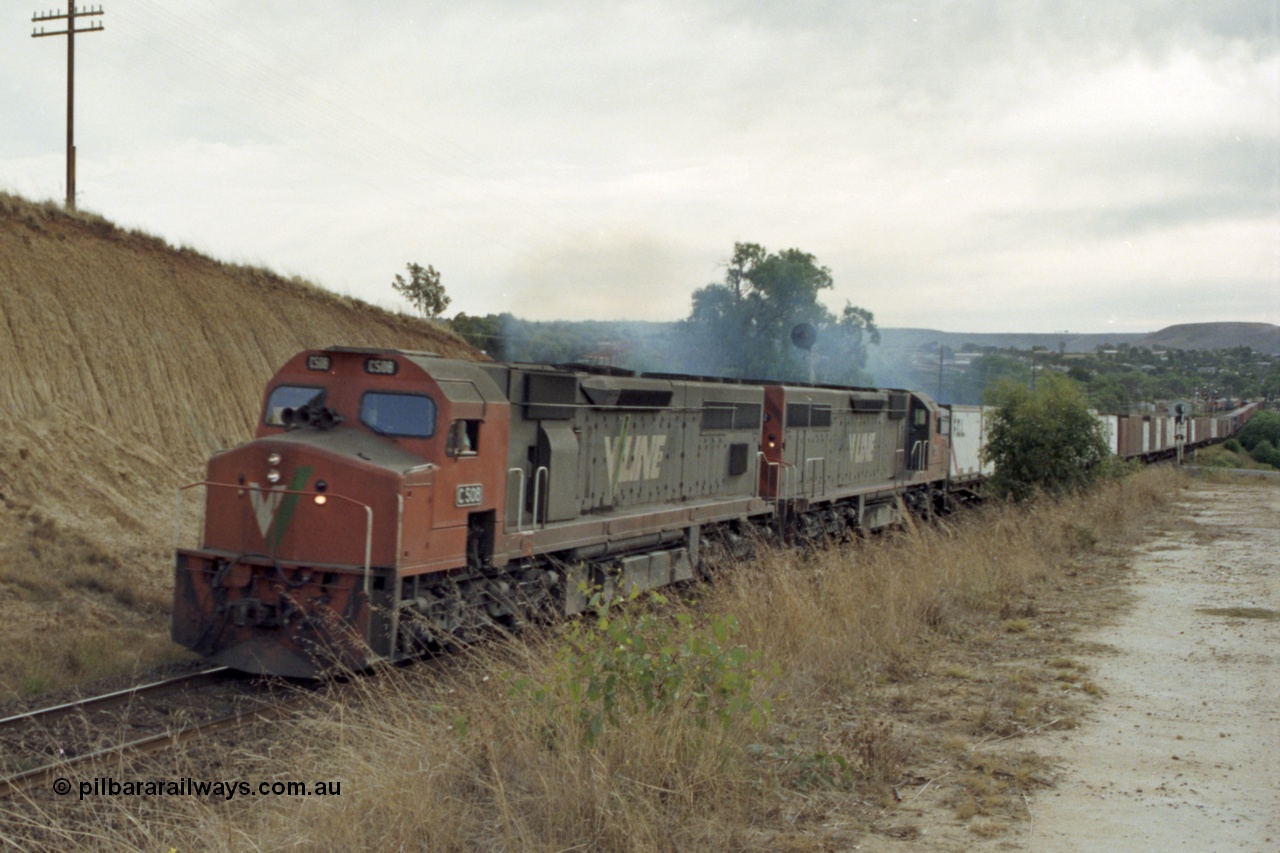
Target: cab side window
{"x":464,"y":438}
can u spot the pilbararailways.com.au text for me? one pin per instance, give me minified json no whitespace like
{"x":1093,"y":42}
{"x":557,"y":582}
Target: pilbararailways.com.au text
{"x":187,"y":787}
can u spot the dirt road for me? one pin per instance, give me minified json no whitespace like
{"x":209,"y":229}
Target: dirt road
{"x":1184,"y":753}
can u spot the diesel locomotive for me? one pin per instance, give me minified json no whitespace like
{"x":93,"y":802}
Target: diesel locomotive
{"x":395,"y":501}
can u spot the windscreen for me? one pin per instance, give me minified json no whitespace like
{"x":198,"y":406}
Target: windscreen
{"x":290,"y":397}
{"x":406,"y":415}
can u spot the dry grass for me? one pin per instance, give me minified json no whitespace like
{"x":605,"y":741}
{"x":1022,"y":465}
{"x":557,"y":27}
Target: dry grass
{"x":889,"y":677}
{"x":75,"y":612}
{"x":1241,"y":612}
{"x":120,"y":331}
{"x":876,"y":601}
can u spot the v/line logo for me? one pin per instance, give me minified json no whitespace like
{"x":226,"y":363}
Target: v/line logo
{"x":273,"y":508}
{"x":862,"y":448}
{"x":632,"y":458}
{"x":265,"y":505}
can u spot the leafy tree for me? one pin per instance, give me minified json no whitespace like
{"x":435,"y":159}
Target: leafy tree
{"x":845,"y":346}
{"x":1264,"y":426}
{"x":1108,"y":395}
{"x":1266,"y":453}
{"x":969,"y":387}
{"x":1043,"y":440}
{"x":742,"y":326}
{"x":484,"y":333}
{"x":423,"y":290}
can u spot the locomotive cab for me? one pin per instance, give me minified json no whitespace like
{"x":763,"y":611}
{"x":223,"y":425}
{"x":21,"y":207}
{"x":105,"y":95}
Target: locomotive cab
{"x":368,"y":466}
{"x":928,"y":439}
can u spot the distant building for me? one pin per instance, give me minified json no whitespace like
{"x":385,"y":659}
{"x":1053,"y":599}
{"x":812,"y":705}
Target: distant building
{"x":609,"y":354}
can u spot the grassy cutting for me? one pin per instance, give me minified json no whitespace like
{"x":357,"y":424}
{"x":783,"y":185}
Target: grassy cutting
{"x":125,"y":362}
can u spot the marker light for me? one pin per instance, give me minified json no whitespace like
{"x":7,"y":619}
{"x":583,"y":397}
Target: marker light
{"x":320,"y":500}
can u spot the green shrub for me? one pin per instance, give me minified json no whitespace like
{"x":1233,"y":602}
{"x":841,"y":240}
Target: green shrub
{"x":1218,"y":456}
{"x":1266,"y":453}
{"x":1043,"y":439}
{"x":1264,"y":426}
{"x":1232,"y":445}
{"x":623,"y":664}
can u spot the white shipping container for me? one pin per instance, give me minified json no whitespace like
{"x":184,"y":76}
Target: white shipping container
{"x":968,"y":434}
{"x":1111,"y":423}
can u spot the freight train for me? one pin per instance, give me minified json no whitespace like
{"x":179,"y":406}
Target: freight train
{"x":396,"y":501}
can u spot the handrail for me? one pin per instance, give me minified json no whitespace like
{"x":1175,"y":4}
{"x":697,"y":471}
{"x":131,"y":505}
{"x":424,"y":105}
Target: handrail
{"x":786,"y":468}
{"x":776,"y":468}
{"x":786,"y":486}
{"x":520,"y":502}
{"x":537,"y":478}
{"x":919,"y":452}
{"x":250,"y":487}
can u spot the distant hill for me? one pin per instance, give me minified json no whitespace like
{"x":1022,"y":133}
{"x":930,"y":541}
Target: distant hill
{"x":1261,"y":337}
{"x":908,"y":338}
{"x":902,"y":358}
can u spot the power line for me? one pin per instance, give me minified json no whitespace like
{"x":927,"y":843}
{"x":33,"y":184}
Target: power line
{"x":70,"y":32}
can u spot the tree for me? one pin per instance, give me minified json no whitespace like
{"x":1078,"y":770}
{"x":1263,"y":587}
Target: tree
{"x":1043,"y":440}
{"x":1264,"y":426}
{"x":742,"y":326}
{"x":423,"y":290}
{"x":970,"y":386}
{"x":845,"y":346}
{"x":484,"y":333}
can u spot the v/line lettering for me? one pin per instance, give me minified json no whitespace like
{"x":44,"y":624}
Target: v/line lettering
{"x":862,"y":448}
{"x":632,"y":458}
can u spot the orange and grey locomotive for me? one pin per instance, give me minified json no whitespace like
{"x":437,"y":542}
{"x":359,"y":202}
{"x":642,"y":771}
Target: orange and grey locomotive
{"x":395,"y":501}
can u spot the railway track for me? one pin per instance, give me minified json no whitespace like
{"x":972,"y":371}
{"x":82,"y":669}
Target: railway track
{"x":47,"y":744}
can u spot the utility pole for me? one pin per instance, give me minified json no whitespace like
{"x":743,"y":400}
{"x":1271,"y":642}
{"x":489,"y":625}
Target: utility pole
{"x":941,"y":354}
{"x":70,"y":32}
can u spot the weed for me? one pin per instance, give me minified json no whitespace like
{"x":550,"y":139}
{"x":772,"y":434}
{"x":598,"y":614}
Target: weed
{"x":1241,"y":612}
{"x":988,"y":828}
{"x":881,"y":753}
{"x":624,"y":663}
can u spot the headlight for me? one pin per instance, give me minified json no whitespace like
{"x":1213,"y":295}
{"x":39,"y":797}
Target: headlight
{"x":274,"y":459}
{"x":273,"y":476}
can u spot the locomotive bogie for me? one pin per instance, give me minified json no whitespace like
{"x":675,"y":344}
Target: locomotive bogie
{"x":259,"y":616}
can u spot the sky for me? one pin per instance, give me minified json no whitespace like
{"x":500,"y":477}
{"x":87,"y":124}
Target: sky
{"x":963,"y":165}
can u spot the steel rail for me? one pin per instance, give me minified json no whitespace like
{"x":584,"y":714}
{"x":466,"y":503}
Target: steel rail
{"x":143,"y":746}
{"x":113,"y":699}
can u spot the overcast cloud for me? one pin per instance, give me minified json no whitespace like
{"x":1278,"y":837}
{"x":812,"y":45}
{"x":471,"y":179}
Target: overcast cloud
{"x":968,"y":166}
